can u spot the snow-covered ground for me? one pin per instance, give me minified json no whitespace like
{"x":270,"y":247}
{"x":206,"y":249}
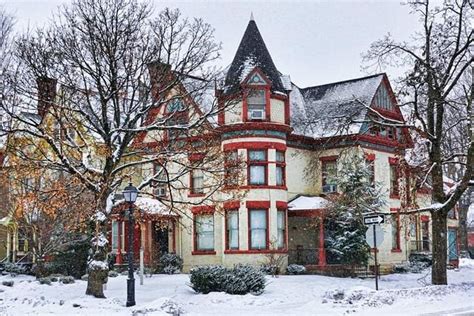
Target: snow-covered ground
{"x":399,"y":294}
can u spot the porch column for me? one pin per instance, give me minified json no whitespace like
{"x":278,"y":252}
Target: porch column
{"x":15,"y":244}
{"x":9,"y":244}
{"x":146,"y":234}
{"x":322,"y":250}
{"x":118,"y":258}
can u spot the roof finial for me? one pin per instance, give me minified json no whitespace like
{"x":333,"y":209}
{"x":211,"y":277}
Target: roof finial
{"x":251,"y":16}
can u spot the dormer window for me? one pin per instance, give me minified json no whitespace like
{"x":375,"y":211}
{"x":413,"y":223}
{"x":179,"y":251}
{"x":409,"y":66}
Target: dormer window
{"x":256,"y":104}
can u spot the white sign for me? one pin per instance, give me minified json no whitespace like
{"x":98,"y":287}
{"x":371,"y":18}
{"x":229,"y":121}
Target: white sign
{"x":374,"y":219}
{"x":369,"y":236}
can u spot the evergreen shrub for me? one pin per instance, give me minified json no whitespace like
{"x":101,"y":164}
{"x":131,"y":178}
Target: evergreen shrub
{"x":295,"y":269}
{"x":171,"y":263}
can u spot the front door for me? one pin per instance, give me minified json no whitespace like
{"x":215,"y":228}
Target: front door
{"x":161,"y":240}
{"x":452,"y":244}
{"x":425,"y":231}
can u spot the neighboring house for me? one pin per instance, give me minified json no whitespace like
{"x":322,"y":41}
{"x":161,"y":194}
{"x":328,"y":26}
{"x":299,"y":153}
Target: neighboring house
{"x":281,"y":131}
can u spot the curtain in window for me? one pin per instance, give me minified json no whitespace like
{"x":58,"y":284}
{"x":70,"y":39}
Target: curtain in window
{"x":281,"y":229}
{"x":257,"y":174}
{"x":233,"y":230}
{"x":258,"y":229}
{"x":205,"y":232}
{"x":279,"y":175}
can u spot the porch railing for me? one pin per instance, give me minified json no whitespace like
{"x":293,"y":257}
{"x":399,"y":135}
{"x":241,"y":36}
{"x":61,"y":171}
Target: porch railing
{"x":303,"y":256}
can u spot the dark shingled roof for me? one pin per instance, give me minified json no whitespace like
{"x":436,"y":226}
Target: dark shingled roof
{"x":251,"y":53}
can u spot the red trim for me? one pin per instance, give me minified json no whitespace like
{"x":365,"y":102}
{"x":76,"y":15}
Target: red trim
{"x":369,"y":157}
{"x":254,"y":145}
{"x":276,"y":187}
{"x":257,"y":204}
{"x":202,"y":253}
{"x":191,"y":195}
{"x":266,"y":126}
{"x":328,"y":158}
{"x":322,"y":249}
{"x":232,"y":204}
{"x":203,"y":209}
{"x":281,"y":204}
{"x":424,"y":218}
{"x":196,"y":157}
{"x":393,"y":160}
{"x":267,"y":237}
{"x":246,"y":252}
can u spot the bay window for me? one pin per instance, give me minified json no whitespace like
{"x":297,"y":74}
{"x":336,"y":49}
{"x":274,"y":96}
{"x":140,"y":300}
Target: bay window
{"x":204,"y":232}
{"x":232,"y":226}
{"x":257,"y":167}
{"x":258,"y":229}
{"x":231,"y":168}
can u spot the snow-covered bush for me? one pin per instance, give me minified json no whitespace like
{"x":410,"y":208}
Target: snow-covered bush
{"x":413,"y":267}
{"x":171,"y":263}
{"x":85,"y":277}
{"x":205,"y":279}
{"x":8,"y":283}
{"x":67,"y":280}
{"x":268,"y":269}
{"x":241,"y":279}
{"x":295,"y":269}
{"x":15,"y":269}
{"x":113,"y":274}
{"x":46,"y":281}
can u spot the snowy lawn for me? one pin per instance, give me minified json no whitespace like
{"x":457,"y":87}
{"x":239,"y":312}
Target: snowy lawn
{"x":286,"y":295}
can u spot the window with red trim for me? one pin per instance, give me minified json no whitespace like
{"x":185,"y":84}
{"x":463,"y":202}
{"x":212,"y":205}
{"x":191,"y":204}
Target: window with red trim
{"x":329,"y":175}
{"x":256,"y":104}
{"x":281,"y":229}
{"x":396,"y":230}
{"x":204,"y":232}
{"x":258,"y":228}
{"x":232,"y":229}
{"x":257,"y":173}
{"x":231,"y":168}
{"x":197,"y":181}
{"x":394,"y":176}
{"x":280,"y":168}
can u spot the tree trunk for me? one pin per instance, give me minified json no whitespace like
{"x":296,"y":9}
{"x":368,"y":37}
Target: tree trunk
{"x":95,"y":282}
{"x":440,"y":247}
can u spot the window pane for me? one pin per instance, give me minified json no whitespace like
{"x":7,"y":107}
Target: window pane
{"x":258,"y":227}
{"x":198,"y":179}
{"x":280,"y":156}
{"x":329,"y":172}
{"x":257,"y":175}
{"x":257,"y":155}
{"x":256,"y":97}
{"x":115,"y":227}
{"x":205,"y":232}
{"x":233,"y":230}
{"x":279,"y":175}
{"x":281,"y":229}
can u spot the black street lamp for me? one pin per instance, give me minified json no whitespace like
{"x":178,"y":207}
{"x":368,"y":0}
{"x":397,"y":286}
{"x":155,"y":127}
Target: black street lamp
{"x":130,"y":194}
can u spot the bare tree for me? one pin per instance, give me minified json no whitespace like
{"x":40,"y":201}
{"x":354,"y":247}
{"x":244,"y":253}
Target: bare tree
{"x":103,"y":77}
{"x":440,"y":55}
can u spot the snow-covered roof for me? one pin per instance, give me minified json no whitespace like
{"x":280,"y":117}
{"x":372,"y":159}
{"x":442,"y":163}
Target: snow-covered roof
{"x":333,"y":109}
{"x":150,"y":206}
{"x":252,"y":52}
{"x":303,"y":202}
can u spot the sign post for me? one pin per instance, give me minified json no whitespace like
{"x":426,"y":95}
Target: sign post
{"x":375,"y":221}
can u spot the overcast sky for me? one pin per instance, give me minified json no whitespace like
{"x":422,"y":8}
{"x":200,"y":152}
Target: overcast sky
{"x":315,"y":42}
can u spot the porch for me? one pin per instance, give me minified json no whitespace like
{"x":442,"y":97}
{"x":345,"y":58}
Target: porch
{"x":154,"y":231}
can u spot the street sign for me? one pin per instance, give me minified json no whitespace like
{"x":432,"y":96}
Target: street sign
{"x":374,"y":219}
{"x":369,"y":236}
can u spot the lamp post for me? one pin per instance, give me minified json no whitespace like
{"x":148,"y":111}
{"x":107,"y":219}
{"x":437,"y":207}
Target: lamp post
{"x":130,"y":194}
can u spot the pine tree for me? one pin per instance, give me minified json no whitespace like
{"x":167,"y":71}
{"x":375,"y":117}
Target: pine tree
{"x":345,"y":230}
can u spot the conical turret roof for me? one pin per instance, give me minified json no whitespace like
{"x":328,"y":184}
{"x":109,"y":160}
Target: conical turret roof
{"x":252,"y":52}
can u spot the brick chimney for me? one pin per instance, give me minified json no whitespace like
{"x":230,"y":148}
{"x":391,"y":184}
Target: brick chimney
{"x":159,"y":73}
{"x":46,"y":93}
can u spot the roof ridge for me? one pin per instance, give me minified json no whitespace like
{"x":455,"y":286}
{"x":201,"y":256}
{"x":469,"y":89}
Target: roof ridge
{"x":344,"y":81}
